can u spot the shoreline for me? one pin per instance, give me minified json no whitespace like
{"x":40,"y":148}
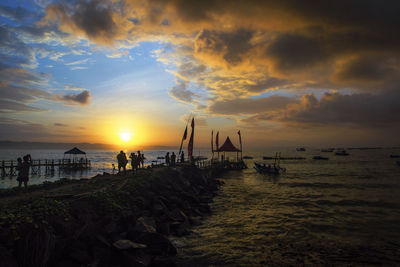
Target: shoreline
{"x":108,"y":220}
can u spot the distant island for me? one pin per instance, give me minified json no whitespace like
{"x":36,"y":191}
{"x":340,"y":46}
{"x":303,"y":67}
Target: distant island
{"x":51,"y":145}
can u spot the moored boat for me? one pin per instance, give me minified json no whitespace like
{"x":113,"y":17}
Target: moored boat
{"x":342,"y":153}
{"x":320,"y":158}
{"x":300,"y":149}
{"x":263,"y":169}
{"x":247,"y":157}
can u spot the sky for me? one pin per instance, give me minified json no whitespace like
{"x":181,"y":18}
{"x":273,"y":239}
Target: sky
{"x":131,"y":72}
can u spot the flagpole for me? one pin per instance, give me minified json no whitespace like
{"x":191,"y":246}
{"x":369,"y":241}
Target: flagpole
{"x":184,"y":135}
{"x":212,"y":145}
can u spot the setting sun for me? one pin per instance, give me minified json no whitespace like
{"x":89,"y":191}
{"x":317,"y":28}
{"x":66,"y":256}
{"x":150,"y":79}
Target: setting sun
{"x":125,"y":136}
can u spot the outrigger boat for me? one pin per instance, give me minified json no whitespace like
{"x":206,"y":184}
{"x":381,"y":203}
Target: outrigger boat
{"x":274,"y":169}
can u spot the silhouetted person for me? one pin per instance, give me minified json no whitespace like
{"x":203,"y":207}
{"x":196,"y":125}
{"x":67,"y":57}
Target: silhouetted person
{"x":183,"y":157}
{"x":122,"y":161}
{"x":134,"y":161}
{"x":173,"y":159}
{"x":19,"y":169}
{"x":23,"y":174}
{"x":141,"y":159}
{"x":167,"y":159}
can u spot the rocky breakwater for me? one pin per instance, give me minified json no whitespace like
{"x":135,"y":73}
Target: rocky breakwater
{"x":105,"y":221}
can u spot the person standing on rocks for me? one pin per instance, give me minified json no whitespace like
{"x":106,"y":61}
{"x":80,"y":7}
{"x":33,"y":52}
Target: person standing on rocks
{"x":141,"y":160}
{"x":122,"y":161}
{"x":134,"y":161}
{"x":23,"y":174}
{"x":173,"y":159}
{"x":167,"y":159}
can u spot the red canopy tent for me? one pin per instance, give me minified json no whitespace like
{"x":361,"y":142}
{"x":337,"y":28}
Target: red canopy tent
{"x":228,"y":147}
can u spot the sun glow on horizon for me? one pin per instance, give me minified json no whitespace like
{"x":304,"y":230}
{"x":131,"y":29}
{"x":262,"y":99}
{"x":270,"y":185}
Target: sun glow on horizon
{"x":125,"y":136}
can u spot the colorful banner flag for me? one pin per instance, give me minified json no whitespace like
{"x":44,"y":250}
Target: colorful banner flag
{"x":190,"y":145}
{"x":183,"y":138}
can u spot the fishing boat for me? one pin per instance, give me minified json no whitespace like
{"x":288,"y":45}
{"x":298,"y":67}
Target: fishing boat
{"x":263,"y":169}
{"x":247,"y":157}
{"x":300,"y":149}
{"x":270,"y":169}
{"x":320,"y":158}
{"x":341,"y":153}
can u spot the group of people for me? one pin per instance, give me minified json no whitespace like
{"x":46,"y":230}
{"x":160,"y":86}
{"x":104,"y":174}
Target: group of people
{"x":23,"y":170}
{"x":170,"y":160}
{"x":137,"y":160}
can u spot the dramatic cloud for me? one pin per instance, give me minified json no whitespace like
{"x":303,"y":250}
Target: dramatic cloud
{"x":225,"y":55}
{"x":367,"y":110}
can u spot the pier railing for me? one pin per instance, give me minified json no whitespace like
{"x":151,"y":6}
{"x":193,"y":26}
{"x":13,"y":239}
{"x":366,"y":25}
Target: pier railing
{"x":9,"y":167}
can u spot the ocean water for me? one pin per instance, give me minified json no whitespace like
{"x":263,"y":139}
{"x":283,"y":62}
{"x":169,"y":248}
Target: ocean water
{"x":340,"y":212}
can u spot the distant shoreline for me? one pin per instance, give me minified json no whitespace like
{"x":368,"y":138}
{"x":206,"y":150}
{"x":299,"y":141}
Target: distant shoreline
{"x":51,"y":145}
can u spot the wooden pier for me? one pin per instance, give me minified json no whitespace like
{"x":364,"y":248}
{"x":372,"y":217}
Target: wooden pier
{"x":9,"y":167}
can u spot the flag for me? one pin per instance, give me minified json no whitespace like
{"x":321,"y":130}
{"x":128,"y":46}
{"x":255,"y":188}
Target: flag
{"x":240,"y":140}
{"x":216,"y":140}
{"x":212,"y":145}
{"x":183,"y":138}
{"x":190,"y":145}
{"x":185,"y":134}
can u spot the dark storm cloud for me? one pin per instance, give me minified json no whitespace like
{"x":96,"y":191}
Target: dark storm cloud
{"x":294,"y":51}
{"x":231,"y":46}
{"x":81,"y":98}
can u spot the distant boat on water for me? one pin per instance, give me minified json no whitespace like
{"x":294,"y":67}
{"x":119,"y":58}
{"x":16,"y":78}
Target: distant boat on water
{"x":320,"y":158}
{"x":285,"y":158}
{"x":302,"y":149}
{"x":327,"y":150}
{"x":341,"y":153}
{"x":247,"y":157}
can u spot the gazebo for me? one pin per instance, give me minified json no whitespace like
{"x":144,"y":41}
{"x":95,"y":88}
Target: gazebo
{"x":228,"y":147}
{"x":73,"y":154}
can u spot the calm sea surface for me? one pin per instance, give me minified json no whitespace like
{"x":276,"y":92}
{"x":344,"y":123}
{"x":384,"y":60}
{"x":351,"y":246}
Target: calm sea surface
{"x":338,"y":212}
{"x":344,"y":211}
